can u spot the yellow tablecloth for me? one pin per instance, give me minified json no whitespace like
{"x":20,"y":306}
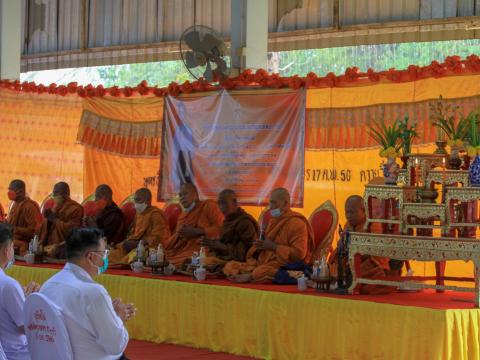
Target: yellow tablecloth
{"x":276,"y":325}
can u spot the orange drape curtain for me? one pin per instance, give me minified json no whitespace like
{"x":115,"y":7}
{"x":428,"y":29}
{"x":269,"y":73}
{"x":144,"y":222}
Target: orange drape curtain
{"x":37,"y":143}
{"x":38,"y":140}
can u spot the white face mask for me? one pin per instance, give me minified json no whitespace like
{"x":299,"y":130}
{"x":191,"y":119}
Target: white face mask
{"x":190,"y":208}
{"x":140,"y":208}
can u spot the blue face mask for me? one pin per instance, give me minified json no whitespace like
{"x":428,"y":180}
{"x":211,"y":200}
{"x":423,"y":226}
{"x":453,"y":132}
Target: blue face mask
{"x":103,"y":268}
{"x":10,"y":264}
{"x":190,"y":208}
{"x":276,"y":212}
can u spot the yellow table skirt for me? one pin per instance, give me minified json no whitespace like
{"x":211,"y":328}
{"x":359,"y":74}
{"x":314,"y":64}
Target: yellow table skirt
{"x":276,"y":325}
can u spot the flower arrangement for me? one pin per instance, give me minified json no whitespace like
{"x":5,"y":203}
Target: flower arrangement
{"x":473,"y":135}
{"x":407,"y":134}
{"x":444,"y":119}
{"x":388,"y":137}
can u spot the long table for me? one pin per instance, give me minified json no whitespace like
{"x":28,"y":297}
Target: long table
{"x":278,"y":322}
{"x":421,"y":248}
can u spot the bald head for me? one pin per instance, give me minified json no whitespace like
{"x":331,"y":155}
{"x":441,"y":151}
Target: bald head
{"x":227,"y":202}
{"x":103,"y":192}
{"x":355,"y":210}
{"x":280,"y":199}
{"x":281,"y":194}
{"x":16,"y":190}
{"x":61,"y":192}
{"x":17,"y":185}
{"x":143,"y":196}
{"x":188,"y":195}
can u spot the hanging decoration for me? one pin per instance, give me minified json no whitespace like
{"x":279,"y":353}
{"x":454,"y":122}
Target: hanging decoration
{"x":453,"y":65}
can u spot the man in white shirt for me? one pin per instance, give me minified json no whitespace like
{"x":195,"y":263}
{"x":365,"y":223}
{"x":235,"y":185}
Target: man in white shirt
{"x":95,"y":324}
{"x":12,"y":300}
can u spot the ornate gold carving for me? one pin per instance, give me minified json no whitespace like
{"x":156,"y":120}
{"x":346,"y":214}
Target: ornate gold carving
{"x":462,"y":194}
{"x":425,"y":161}
{"x":424,"y":211}
{"x":403,"y":247}
{"x":451,"y":177}
{"x":385,"y":192}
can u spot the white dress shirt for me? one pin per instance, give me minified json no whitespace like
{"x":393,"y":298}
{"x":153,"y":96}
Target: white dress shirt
{"x":12,"y":300}
{"x":95,"y":330}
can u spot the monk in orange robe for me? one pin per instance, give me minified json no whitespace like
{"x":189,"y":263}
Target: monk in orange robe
{"x":24,"y":216}
{"x":199,"y":219}
{"x":150,"y":226}
{"x":373,"y":267}
{"x":238,"y":233}
{"x":66,"y":215}
{"x":288,"y":239}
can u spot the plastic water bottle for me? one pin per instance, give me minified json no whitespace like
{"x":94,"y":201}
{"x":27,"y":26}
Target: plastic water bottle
{"x":160,"y":253}
{"x":34,"y":244}
{"x":324,"y":269}
{"x":316,"y":266}
{"x":140,"y":250}
{"x":302,"y":283}
{"x":152,"y":255}
{"x":202,"y":256}
{"x":195,"y":259}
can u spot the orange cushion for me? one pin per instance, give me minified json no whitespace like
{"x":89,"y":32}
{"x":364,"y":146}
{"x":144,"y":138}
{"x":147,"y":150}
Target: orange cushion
{"x":129,"y":213}
{"x":321,"y":223}
{"x":172,"y":212}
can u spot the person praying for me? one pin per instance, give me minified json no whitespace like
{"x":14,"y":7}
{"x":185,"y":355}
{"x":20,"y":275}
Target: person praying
{"x":95,"y":323}
{"x":65,"y":216}
{"x":288,"y":239}
{"x":238,"y":232}
{"x":24,"y":216}
{"x":200,"y":218}
{"x":109,"y":218}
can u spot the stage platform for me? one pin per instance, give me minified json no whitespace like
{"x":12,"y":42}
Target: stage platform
{"x":278,"y":322}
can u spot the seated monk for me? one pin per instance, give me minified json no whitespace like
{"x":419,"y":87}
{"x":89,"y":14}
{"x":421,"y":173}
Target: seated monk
{"x":66,"y":215}
{"x":288,"y":239}
{"x":24,"y":216}
{"x":109,"y":219}
{"x":373,"y":267}
{"x":237,"y":234}
{"x":198,"y":219}
{"x":150,"y":226}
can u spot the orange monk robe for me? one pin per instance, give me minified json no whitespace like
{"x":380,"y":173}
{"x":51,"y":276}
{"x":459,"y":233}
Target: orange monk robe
{"x":371,"y":267}
{"x":294,"y":238}
{"x":151,"y":226}
{"x":68,"y":216}
{"x":26,"y":219}
{"x":205,"y":215}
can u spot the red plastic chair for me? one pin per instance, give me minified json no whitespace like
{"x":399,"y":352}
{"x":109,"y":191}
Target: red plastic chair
{"x":89,"y":206}
{"x":324,"y":221}
{"x":47,"y":203}
{"x":172,"y":212}
{"x":264,"y":218}
{"x":128,"y":208}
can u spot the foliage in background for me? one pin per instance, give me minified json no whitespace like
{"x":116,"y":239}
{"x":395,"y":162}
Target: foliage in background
{"x":287,"y":63}
{"x":445,"y":118}
{"x":407,"y":134}
{"x":388,"y":137}
{"x":473,"y":134}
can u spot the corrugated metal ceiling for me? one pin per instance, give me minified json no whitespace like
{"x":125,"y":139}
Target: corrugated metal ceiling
{"x":120,"y":31}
